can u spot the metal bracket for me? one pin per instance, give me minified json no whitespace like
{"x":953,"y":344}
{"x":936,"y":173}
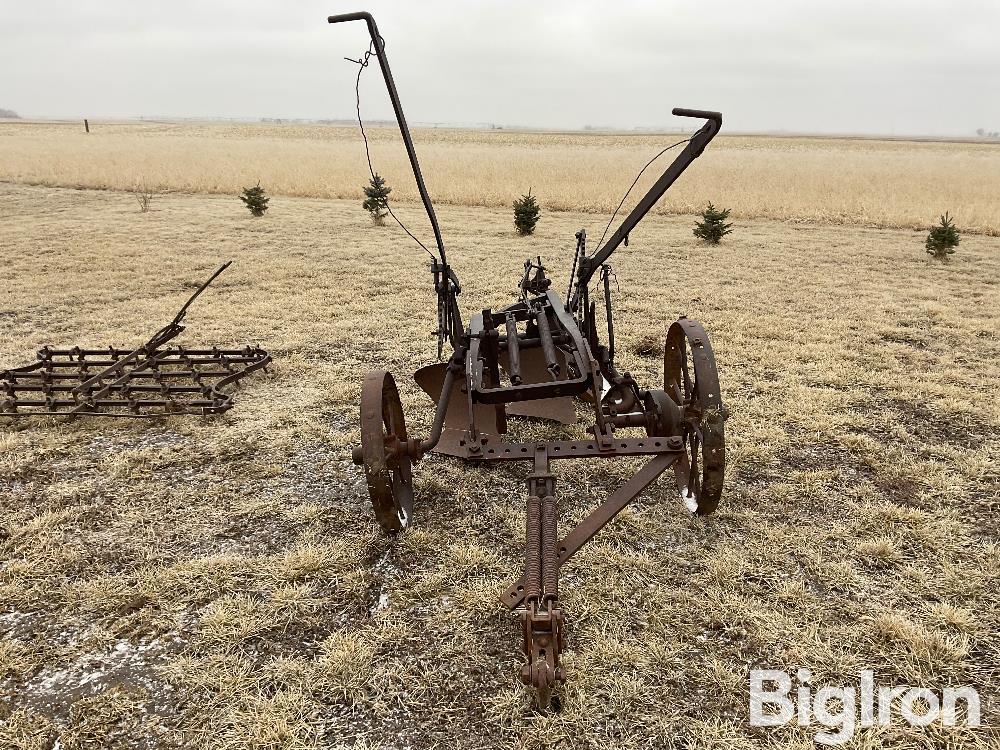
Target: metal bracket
{"x":599,"y":518}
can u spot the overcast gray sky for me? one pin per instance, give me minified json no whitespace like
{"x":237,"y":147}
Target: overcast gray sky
{"x":813,"y":65}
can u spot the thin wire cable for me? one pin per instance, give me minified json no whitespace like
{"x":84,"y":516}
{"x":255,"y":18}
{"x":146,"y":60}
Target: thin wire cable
{"x":625,"y":197}
{"x":362,"y":64}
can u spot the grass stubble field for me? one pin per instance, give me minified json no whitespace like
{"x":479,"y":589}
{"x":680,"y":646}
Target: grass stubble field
{"x":221,"y":582}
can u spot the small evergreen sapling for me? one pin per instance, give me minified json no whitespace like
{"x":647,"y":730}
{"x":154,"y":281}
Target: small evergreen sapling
{"x":526,"y":213}
{"x":713,"y":227}
{"x":255,"y":199}
{"x":143,"y":196}
{"x":377,"y":199}
{"x":943,"y":239}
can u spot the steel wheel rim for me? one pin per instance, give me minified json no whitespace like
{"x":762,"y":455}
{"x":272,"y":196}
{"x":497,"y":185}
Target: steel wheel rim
{"x":387,"y":467}
{"x":691,"y":379}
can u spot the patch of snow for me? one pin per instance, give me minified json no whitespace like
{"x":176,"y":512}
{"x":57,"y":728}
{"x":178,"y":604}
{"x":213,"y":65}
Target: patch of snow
{"x":689,"y":500}
{"x":53,"y":690}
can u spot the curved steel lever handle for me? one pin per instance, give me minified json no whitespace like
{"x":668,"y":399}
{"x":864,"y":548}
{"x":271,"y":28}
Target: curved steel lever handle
{"x":692,"y":151}
{"x":404,"y":129}
{"x":703,"y":114}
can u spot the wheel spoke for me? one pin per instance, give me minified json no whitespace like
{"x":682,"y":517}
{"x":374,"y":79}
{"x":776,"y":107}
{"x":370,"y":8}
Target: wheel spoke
{"x":684,"y":372}
{"x":678,"y":396}
{"x":391,"y":453}
{"x":694,"y":479}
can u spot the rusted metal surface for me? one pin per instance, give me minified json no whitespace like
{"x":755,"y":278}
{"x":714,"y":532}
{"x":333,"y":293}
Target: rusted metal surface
{"x":584,"y":531}
{"x":541,"y":357}
{"x":146,"y":381}
{"x":384,"y":451}
{"x":431,"y":378}
{"x":691,"y":379}
{"x":541,"y":617}
{"x":533,"y":370}
{"x":166,"y":381}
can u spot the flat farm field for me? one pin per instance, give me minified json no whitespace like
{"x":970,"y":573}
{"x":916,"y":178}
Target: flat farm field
{"x":860,"y":182}
{"x":221,"y":582}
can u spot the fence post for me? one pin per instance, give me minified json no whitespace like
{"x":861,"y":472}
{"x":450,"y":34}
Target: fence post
{"x":86,"y":125}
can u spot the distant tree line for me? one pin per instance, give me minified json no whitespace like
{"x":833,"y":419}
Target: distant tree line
{"x":987,"y":133}
{"x":9,"y":114}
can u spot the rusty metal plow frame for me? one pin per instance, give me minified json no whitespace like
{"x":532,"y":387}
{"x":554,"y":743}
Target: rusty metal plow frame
{"x":598,"y":518}
{"x":145,"y":382}
{"x":532,"y":358}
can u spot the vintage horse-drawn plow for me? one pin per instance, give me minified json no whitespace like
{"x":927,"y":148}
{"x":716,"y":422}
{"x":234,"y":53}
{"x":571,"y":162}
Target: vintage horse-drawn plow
{"x":532,"y":358}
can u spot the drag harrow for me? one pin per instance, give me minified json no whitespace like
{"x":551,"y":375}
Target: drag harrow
{"x":143,"y":382}
{"x":531,"y":359}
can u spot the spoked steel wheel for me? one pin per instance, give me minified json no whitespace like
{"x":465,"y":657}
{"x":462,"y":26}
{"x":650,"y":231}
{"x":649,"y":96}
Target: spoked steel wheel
{"x":383,"y":451}
{"x":691,"y":379}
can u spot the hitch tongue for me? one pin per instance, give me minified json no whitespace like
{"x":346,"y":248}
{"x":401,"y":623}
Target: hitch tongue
{"x":542,"y":618}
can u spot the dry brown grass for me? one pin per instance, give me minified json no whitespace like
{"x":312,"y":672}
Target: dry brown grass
{"x":217,"y":579}
{"x":859,"y":182}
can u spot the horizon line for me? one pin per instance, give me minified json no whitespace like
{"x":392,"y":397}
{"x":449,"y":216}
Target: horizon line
{"x":586,"y":129}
